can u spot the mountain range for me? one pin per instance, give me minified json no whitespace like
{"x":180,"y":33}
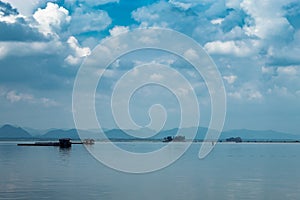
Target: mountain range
{"x":9,"y":132}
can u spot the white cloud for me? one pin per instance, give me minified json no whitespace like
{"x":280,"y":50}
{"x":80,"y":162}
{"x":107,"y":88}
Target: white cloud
{"x":51,"y":19}
{"x":72,"y":60}
{"x":235,"y":95}
{"x":247,"y":91}
{"x":253,"y":95}
{"x":105,"y":72}
{"x":164,"y":60}
{"x":156,"y":77}
{"x":10,"y":19}
{"x":20,"y":49}
{"x":230,"y":79}
{"x":116,"y":64}
{"x":48,"y":102}
{"x":191,"y":54}
{"x":182,"y":91}
{"x":94,"y":20}
{"x":144,"y":14}
{"x":3,"y":52}
{"x":267,"y":70}
{"x":100,"y":2}
{"x":191,"y":74}
{"x":233,"y":3}
{"x":9,"y":14}
{"x":250,"y":95}
{"x":14,"y":97}
{"x":78,"y":52}
{"x":268,"y":18}
{"x":234,"y":48}
{"x":25,"y":7}
{"x":217,"y":21}
{"x":90,"y":3}
{"x":289,"y":70}
{"x":279,"y":91}
{"x":183,"y":6}
{"x":118,"y":30}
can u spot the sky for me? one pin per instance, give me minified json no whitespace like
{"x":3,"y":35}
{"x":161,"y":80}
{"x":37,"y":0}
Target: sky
{"x":255,"y":45}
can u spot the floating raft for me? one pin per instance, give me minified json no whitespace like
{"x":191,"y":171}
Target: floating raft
{"x":63,"y":143}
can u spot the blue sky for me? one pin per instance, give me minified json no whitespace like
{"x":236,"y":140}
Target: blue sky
{"x":255,"y":44}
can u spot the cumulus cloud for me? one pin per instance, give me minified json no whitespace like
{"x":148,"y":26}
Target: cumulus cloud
{"x":289,"y":70}
{"x":156,"y":77}
{"x":3,"y":52}
{"x":19,"y":31}
{"x":87,"y":21}
{"x":100,"y":2}
{"x":182,"y":5}
{"x":80,"y":52}
{"x":282,"y":80}
{"x":21,"y":49}
{"x":268,"y":18}
{"x":233,"y":3}
{"x":230,"y":79}
{"x":77,"y":52}
{"x":27,"y":7}
{"x":91,"y":3}
{"x":6,"y":9}
{"x":15,"y":27}
{"x":279,"y":91}
{"x":234,"y":48}
{"x":191,"y":54}
{"x":51,"y":19}
{"x":163,"y":14}
{"x":246,"y":92}
{"x":14,"y":97}
{"x":118,"y":29}
{"x":217,"y":21}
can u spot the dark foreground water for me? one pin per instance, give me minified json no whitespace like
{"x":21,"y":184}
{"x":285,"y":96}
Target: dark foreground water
{"x":231,"y":171}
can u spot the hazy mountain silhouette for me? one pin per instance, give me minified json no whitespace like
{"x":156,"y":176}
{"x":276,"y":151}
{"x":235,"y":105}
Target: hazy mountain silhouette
{"x":70,"y":133}
{"x":12,"y":132}
{"x":60,"y":133}
{"x":246,"y":134}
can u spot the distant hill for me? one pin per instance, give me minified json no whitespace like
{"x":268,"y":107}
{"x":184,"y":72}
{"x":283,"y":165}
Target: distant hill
{"x":122,"y":134}
{"x":246,"y":134}
{"x":71,"y":133}
{"x":117,"y":134}
{"x":37,"y":132}
{"x":12,"y":132}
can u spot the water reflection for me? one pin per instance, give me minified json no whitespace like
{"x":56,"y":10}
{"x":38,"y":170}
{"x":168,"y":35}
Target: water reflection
{"x":251,"y":172}
{"x":64,"y":154}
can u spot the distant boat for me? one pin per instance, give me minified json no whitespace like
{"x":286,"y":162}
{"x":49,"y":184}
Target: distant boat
{"x":88,"y":141}
{"x":179,"y":138}
{"x":168,"y":139}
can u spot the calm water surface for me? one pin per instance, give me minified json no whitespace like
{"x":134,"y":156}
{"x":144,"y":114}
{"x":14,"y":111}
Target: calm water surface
{"x":231,"y":171}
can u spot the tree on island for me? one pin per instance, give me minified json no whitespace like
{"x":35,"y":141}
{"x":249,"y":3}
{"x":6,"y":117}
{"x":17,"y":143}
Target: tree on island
{"x":234,"y":139}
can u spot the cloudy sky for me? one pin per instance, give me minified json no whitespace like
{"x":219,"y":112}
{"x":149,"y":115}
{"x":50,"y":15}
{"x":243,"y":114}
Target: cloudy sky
{"x":255,"y":44}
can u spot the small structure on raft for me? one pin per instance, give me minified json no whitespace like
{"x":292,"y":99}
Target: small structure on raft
{"x":62,"y":143}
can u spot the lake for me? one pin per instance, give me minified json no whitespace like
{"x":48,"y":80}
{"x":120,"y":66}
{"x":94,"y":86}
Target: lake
{"x":231,"y":171}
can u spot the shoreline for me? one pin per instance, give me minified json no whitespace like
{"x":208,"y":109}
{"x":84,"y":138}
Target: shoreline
{"x":159,"y":141}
